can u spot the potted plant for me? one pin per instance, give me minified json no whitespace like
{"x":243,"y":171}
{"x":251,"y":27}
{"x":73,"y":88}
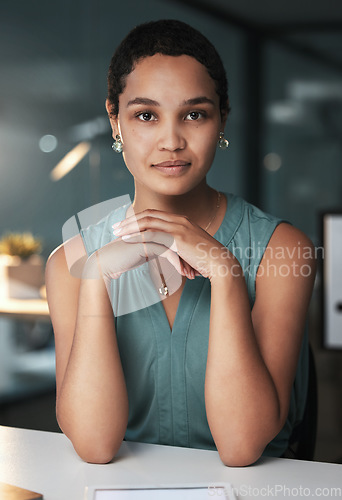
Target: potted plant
{"x":21,"y":266}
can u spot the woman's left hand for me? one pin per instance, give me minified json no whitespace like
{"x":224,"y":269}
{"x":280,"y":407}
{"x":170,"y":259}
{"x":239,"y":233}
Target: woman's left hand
{"x":194,"y":246}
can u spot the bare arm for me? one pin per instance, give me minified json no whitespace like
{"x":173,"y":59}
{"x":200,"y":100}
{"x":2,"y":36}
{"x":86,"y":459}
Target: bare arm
{"x":252,"y":358}
{"x":92,"y":405}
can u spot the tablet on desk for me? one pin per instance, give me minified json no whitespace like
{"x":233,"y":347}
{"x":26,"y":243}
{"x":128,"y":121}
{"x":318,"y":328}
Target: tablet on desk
{"x":223,"y":491}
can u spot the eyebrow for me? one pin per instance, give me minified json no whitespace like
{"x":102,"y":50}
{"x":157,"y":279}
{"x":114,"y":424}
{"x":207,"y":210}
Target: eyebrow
{"x":198,"y":100}
{"x":150,"y":102}
{"x":143,"y":100}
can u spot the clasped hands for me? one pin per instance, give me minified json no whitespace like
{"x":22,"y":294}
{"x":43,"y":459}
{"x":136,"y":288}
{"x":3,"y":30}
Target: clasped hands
{"x":153,"y":233}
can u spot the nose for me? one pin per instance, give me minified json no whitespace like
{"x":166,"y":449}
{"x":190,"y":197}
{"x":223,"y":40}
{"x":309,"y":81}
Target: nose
{"x":171,"y":137}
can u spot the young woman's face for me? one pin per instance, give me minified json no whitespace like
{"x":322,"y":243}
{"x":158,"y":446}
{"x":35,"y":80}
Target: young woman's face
{"x":169,"y":121}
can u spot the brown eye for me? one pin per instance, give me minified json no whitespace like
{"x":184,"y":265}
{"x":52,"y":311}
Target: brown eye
{"x":195,"y":115}
{"x":146,"y":117}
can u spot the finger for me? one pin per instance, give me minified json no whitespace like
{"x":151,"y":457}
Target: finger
{"x":187,"y":269}
{"x":158,"y":237}
{"x":158,"y":214}
{"x":165,"y":239}
{"x":132,"y":221}
{"x":168,"y":224}
{"x":151,"y":250}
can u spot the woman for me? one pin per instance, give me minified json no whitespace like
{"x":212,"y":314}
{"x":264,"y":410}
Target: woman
{"x":220,"y":373}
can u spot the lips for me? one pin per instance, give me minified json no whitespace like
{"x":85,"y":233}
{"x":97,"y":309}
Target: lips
{"x":172,"y":163}
{"x":172,"y":168}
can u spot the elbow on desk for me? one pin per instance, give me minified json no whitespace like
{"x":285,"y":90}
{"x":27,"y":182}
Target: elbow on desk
{"x":94,"y":449}
{"x":243,"y":448}
{"x":239,"y":460}
{"x":96,"y":454}
{"x":239,"y":456}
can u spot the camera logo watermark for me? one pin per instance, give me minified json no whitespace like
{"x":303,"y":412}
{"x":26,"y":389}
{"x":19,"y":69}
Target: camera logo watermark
{"x":137,"y":274}
{"x":133,"y":274}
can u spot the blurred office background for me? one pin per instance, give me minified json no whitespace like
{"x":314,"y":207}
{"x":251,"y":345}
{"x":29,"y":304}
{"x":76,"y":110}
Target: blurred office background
{"x":284,"y":65}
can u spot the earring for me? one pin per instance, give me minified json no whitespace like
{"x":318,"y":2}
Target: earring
{"x":222,"y":142}
{"x":117,"y":145}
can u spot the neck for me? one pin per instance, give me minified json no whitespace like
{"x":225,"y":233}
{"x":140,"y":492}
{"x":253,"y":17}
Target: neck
{"x":198,"y":204}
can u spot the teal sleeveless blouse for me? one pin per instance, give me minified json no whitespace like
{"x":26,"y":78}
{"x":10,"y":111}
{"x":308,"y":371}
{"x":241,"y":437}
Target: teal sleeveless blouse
{"x":165,"y":370}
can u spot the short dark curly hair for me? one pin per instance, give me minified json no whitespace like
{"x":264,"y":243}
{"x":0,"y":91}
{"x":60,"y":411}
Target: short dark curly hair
{"x":169,"y":37}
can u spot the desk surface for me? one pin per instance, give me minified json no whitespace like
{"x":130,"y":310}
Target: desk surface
{"x":47,"y":463}
{"x":25,"y":309}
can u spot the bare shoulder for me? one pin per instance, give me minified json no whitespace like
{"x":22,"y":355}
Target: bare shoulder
{"x":287,"y":235}
{"x":289,"y":248}
{"x":68,"y":259}
{"x":56,"y":262}
{"x":287,"y":272}
{"x":285,"y":278}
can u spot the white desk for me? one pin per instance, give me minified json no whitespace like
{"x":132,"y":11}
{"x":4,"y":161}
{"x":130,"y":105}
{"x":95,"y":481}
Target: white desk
{"x":46,"y":462}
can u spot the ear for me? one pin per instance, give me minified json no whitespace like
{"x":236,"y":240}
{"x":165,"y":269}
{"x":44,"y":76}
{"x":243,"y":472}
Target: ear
{"x":112,"y":119}
{"x":224,"y":116}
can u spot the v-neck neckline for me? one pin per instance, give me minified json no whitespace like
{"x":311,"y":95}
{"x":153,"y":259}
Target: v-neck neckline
{"x":191,"y":288}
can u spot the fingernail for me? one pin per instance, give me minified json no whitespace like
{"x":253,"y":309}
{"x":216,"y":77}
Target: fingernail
{"x":126,"y":237}
{"x":117,"y":231}
{"x":116,"y":224}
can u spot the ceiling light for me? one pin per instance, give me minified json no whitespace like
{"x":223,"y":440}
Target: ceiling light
{"x":48,"y":143}
{"x":70,"y":161}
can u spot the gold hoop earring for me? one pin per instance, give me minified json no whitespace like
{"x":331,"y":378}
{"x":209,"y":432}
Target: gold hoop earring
{"x":222,"y":142}
{"x":117,"y":145}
